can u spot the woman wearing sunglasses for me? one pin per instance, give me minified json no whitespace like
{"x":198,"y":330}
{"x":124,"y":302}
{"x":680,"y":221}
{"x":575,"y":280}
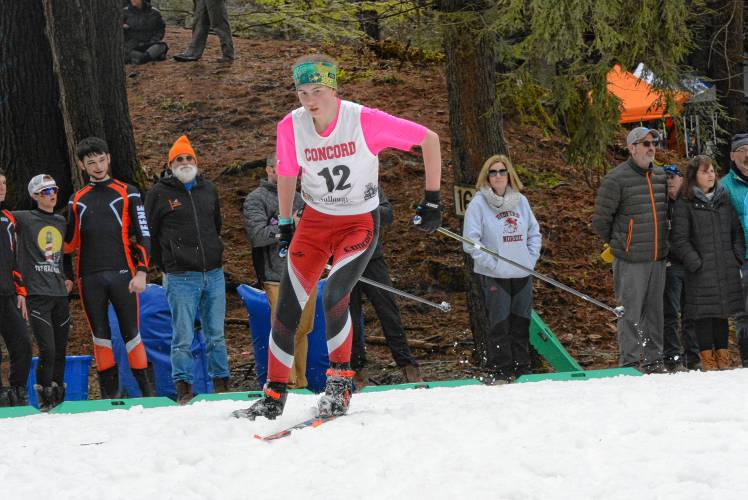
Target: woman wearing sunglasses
{"x":500,"y":218}
{"x":708,"y":238}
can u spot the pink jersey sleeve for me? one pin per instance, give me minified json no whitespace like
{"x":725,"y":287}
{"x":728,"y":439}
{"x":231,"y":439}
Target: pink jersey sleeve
{"x":382,"y":131}
{"x":285,"y":148}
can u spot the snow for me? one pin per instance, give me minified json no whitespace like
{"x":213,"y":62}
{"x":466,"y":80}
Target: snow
{"x":651,"y":437}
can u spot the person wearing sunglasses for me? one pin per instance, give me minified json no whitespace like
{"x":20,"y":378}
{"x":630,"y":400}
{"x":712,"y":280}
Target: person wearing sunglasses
{"x":500,"y":218}
{"x":184,"y":215}
{"x":631,"y":216}
{"x":708,"y":238}
{"x":736,"y":184}
{"x":48,"y":273}
{"x":13,"y":312}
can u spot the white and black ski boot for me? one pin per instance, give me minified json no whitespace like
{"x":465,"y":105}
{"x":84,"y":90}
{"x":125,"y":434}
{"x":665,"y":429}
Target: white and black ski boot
{"x":338,"y":390}
{"x":270,"y":406}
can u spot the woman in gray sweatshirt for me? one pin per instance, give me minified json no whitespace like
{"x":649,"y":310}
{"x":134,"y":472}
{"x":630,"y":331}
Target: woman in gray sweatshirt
{"x":499,"y":217}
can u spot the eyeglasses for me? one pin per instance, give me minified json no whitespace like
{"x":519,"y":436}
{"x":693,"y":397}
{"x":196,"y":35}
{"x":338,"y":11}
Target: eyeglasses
{"x":184,"y":158}
{"x":647,"y":144}
{"x":47,"y":191}
{"x":494,"y":173}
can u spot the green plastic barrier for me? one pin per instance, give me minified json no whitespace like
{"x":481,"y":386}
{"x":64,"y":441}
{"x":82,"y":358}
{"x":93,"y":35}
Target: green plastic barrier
{"x":111,"y":404}
{"x":549,"y":347}
{"x":18,"y":411}
{"x":579,"y":375}
{"x":239,"y":396}
{"x":422,"y":385}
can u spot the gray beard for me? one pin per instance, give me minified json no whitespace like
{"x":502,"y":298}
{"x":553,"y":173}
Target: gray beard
{"x":186,"y":174}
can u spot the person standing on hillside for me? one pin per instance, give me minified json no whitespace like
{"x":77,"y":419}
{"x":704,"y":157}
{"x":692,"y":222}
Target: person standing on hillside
{"x":334,"y":144}
{"x":107,"y":226}
{"x":631,"y":215}
{"x":260,"y":217}
{"x":387,"y":311}
{"x":709,"y":240}
{"x":13,"y":312}
{"x":184,"y":215}
{"x":500,"y":218}
{"x":209,"y":15}
{"x":678,"y":353}
{"x":736,"y":184}
{"x":49,"y":274}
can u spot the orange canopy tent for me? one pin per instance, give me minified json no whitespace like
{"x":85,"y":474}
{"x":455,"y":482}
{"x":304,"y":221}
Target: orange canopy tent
{"x":638,"y":97}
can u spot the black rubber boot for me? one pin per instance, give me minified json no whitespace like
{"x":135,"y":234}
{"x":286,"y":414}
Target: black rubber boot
{"x":144,"y":378}
{"x":270,"y":406}
{"x":109,"y":383}
{"x":59,"y":392}
{"x":743,"y":344}
{"x":4,"y":400}
{"x":338,"y":390}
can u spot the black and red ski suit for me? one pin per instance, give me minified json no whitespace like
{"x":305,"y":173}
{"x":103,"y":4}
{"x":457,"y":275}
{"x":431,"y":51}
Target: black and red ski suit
{"x":107,"y":226}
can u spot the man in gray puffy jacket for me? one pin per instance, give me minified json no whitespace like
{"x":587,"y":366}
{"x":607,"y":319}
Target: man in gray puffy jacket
{"x":630,"y":215}
{"x":260,"y":217}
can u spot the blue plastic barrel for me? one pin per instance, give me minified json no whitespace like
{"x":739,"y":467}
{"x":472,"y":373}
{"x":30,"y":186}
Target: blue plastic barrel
{"x":76,"y":378}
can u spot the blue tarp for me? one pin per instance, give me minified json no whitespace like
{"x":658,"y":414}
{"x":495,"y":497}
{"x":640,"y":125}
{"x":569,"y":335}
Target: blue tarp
{"x":155,"y":332}
{"x":258,"y":309}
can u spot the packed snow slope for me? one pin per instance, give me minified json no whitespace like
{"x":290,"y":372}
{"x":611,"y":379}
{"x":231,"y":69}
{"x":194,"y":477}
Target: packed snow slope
{"x":653,"y":437}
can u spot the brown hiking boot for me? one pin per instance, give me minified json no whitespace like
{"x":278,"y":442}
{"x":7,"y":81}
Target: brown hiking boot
{"x":221,"y":385}
{"x":184,"y":392}
{"x":723,"y":359}
{"x":708,"y":360}
{"x":412,"y":374}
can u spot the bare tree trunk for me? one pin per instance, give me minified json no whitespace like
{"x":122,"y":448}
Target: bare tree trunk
{"x":474,"y":122}
{"x":32,"y":139}
{"x":87,"y":48}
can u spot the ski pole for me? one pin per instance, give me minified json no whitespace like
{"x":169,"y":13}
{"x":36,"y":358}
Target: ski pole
{"x":444,"y":306}
{"x":618,"y":311}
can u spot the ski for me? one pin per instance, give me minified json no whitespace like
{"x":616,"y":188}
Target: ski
{"x":312,"y":422}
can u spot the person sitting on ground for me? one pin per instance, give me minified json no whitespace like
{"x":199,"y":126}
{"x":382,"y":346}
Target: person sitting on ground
{"x":144,"y":33}
{"x":387,"y":311}
{"x":499,"y":217}
{"x":49,"y":280}
{"x":260,"y":216}
{"x":678,"y":353}
{"x":184,"y":216}
{"x":708,"y":239}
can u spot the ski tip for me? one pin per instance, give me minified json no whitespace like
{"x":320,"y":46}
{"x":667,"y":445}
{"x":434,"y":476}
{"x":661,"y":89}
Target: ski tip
{"x":257,"y":436}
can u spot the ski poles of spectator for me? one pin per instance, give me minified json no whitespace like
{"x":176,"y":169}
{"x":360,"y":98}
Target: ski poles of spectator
{"x":443,"y":306}
{"x":618,"y":311}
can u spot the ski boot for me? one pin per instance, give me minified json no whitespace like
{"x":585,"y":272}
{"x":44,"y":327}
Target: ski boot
{"x":270,"y":406}
{"x":109,"y":383}
{"x":4,"y":399}
{"x":144,"y":378}
{"x":45,"y":397}
{"x":338,"y":390}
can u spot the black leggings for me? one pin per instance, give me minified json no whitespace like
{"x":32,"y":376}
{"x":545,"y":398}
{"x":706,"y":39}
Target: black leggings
{"x":50,"y":324}
{"x":97,"y":291}
{"x":712,"y":333}
{"x":15,"y":333}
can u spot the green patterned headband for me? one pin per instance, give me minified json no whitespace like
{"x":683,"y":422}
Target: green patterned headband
{"x":321,"y":73}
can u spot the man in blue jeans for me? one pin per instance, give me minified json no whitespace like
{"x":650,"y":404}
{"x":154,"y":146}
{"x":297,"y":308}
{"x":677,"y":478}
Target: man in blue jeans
{"x":184,"y":215}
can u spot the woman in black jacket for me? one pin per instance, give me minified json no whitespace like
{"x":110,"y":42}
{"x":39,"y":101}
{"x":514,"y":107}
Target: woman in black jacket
{"x":708,"y":238}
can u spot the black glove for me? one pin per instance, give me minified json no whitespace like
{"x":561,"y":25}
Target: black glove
{"x":285,"y":236}
{"x":429,"y":213}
